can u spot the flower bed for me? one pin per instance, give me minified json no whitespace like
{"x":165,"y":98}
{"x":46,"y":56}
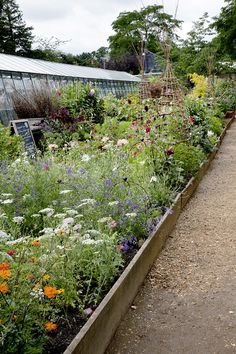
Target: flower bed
{"x":71,"y":219}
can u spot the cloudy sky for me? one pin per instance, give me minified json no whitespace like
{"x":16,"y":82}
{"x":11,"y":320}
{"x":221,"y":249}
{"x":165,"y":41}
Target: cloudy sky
{"x":86,"y":25}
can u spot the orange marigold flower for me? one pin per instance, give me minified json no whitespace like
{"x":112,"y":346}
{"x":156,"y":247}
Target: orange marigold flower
{"x":50,"y":291}
{"x":50,"y":326}
{"x":36,"y":243}
{"x":4,"y":266}
{"x":4,"y":288}
{"x":5,"y":274}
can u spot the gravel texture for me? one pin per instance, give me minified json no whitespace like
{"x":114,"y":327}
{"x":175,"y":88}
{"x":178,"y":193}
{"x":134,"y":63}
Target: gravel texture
{"x":187,"y":304}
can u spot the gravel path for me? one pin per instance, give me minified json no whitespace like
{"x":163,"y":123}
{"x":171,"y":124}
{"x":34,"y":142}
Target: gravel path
{"x":187,"y":304}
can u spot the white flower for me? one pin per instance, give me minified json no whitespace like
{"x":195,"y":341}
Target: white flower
{"x":153,"y":179}
{"x":6,"y":195}
{"x":3,"y":216}
{"x":105,"y":219}
{"x":66,"y":191}
{"x":60,"y":247}
{"x":3,"y":234}
{"x":113,"y":203}
{"x":19,"y":240}
{"x":122,"y":142}
{"x":88,"y":241}
{"x":210,"y":133}
{"x":35,"y":216}
{"x":105,"y":139}
{"x":52,"y":147}
{"x":107,"y":146}
{"x":47,"y":231}
{"x":93,"y":233}
{"x":47,"y":211}
{"x":37,"y":293}
{"x":18,"y":219}
{"x":86,"y":202}
{"x":85,"y":158}
{"x":7,"y":201}
{"x":131,"y":215}
{"x":92,"y":92}
{"x":68,"y":221}
{"x":78,"y":216}
{"x":26,"y":196}
{"x":77,"y":227}
{"x":142,"y":162}
{"x":71,"y":212}
{"x":59,"y":215}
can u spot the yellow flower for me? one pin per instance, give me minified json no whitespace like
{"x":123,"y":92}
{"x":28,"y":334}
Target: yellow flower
{"x":60,"y":232}
{"x":4,"y":288}
{"x":36,"y":287}
{"x":5,"y":274}
{"x":60,"y":291}
{"x":50,"y":326}
{"x":46,"y":277}
{"x":29,"y":276}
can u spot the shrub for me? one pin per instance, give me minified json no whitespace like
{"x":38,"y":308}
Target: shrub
{"x":10,"y":145}
{"x":189,"y":157}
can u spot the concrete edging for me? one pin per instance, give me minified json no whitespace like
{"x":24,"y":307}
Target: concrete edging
{"x":101,"y":326}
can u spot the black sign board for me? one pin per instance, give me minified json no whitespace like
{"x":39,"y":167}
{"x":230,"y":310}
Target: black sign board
{"x":21,"y":127}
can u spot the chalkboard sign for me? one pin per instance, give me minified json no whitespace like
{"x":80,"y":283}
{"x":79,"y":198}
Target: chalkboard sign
{"x":21,"y":127}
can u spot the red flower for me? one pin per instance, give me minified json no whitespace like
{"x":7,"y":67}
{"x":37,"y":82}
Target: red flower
{"x":192,"y":120}
{"x":11,"y":252}
{"x":148,"y":130}
{"x":148,"y":121}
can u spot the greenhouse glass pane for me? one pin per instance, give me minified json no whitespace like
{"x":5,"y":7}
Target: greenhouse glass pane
{"x":18,"y":83}
{"x":27,"y":82}
{"x":3,"y":97}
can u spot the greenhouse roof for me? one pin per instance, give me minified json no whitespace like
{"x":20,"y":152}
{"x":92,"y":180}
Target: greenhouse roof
{"x":12,"y":63}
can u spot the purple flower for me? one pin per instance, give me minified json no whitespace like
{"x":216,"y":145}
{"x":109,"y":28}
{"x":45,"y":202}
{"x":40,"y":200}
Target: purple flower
{"x":108,"y":182}
{"x":82,"y":171}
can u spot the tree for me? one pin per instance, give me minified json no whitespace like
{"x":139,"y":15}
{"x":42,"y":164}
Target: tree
{"x":225,"y":25}
{"x":15,"y":36}
{"x":197,"y":53}
{"x":139,"y":30}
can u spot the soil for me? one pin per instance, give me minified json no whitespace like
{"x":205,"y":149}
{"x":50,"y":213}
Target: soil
{"x":187,"y":304}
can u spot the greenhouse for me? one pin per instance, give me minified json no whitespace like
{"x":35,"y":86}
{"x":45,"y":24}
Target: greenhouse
{"x":23,"y":74}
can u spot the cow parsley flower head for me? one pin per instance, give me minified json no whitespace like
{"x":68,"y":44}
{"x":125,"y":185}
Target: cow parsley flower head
{"x":47,"y":211}
{"x":18,"y":219}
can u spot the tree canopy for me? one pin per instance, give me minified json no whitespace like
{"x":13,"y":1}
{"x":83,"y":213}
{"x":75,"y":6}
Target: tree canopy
{"x":146,"y":25}
{"x":15,"y":36}
{"x":225,"y":25}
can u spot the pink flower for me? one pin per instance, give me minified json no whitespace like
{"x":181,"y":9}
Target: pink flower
{"x":148,"y":130}
{"x":88,"y":311}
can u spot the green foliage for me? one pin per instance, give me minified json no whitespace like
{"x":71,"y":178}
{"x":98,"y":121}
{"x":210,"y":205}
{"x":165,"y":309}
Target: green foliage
{"x":10,"y":145}
{"x":15,"y":36}
{"x":225,"y":95}
{"x":189,"y":157}
{"x":225,"y":25}
{"x":83,"y":100}
{"x":147,"y":24}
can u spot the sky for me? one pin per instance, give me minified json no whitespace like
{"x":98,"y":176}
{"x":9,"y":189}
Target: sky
{"x":86,"y":25}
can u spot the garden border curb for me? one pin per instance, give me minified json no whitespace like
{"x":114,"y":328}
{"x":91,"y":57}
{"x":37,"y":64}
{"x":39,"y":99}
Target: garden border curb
{"x":101,"y":326}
